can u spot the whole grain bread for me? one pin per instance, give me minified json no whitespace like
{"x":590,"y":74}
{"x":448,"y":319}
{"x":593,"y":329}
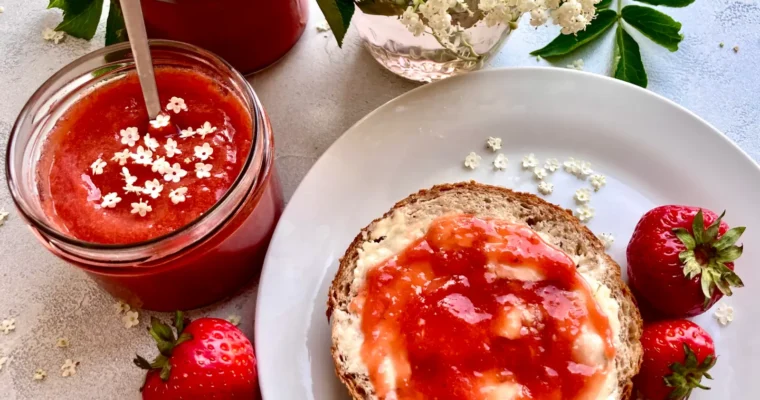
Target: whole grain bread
{"x":556,"y":225}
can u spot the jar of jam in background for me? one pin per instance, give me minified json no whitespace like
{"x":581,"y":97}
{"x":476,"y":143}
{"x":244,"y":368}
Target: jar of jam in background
{"x":204,"y":261}
{"x":249,"y":34}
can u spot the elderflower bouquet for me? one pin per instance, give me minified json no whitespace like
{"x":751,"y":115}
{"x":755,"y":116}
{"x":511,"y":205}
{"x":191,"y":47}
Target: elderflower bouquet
{"x":460,"y":34}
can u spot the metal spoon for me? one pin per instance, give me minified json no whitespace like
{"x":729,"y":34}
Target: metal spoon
{"x":138,"y":40}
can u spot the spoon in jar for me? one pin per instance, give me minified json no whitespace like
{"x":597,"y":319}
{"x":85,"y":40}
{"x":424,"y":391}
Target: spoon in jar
{"x":138,"y":40}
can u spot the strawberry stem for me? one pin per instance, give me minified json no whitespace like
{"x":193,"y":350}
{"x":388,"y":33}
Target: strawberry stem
{"x":166,"y":341}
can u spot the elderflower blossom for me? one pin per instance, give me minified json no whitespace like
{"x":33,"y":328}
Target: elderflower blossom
{"x":8,"y":326}
{"x":551,"y":165}
{"x":598,"y":181}
{"x":205,"y":129}
{"x":121,"y":306}
{"x":202,"y":170}
{"x":539,"y":173}
{"x":175,"y":174}
{"x":97,"y":166}
{"x":52,"y":35}
{"x":62,"y":343}
{"x":141,"y":208}
{"x":493,"y":143}
{"x":129,"y":136}
{"x":162,"y":120}
{"x":724,"y":314}
{"x":178,"y":195}
{"x":176,"y":104}
{"x":150,"y":142}
{"x":582,"y":196}
{"x":472,"y":160}
{"x":130,"y":319}
{"x":142,"y":156}
{"x":203,"y":152}
{"x":412,"y":21}
{"x":110,"y":200}
{"x":500,"y":162}
{"x":121,"y":157}
{"x":39,"y":374}
{"x":585,"y":213}
{"x":171,"y":148}
{"x":69,"y":368}
{"x":186,"y":133}
{"x":530,"y":161}
{"x":545,"y":188}
{"x":234,"y":319}
{"x":161,"y":166}
{"x":607,"y":239}
{"x":153,"y":188}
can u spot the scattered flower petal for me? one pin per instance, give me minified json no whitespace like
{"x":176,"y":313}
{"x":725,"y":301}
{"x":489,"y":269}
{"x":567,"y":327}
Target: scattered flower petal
{"x":8,"y":326}
{"x":133,"y":189}
{"x":129,"y":136}
{"x":582,"y":196}
{"x":585,"y":213}
{"x":150,"y":142}
{"x":141,"y":208}
{"x":97,"y":166}
{"x":69,"y":368}
{"x":500,"y":162}
{"x":176,"y":104}
{"x":129,"y":179}
{"x":598,"y":181}
{"x":494,"y":143}
{"x":546,"y":188}
{"x":130,"y":319}
{"x":62,"y":343}
{"x":178,"y":195}
{"x":539,"y":173}
{"x":530,"y":161}
{"x":121,"y":307}
{"x":206,"y":129}
{"x":186,"y":133}
{"x":162,"y":120}
{"x":202,"y":170}
{"x":122,"y":156}
{"x":142,"y":156}
{"x":39,"y":374}
{"x":52,"y":35}
{"x":724,"y":314}
{"x":203,"y":152}
{"x":161,"y":166}
{"x":171,"y":148}
{"x":110,"y":200}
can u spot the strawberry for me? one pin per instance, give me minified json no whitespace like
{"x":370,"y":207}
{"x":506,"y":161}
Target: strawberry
{"x":680,"y":260}
{"x":677,"y":355}
{"x":209,"y":358}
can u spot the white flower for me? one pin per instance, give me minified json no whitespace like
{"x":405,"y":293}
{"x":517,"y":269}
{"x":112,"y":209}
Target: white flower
{"x":150,"y":142}
{"x":121,"y":156}
{"x":582,"y":196}
{"x":129,"y":136}
{"x":577,"y":65}
{"x":69,"y":368}
{"x":440,"y":22}
{"x":500,"y":162}
{"x":538,"y":17}
{"x":142,"y":157}
{"x":585,"y":213}
{"x":598,"y":181}
{"x":3,"y":360}
{"x":62,"y":343}
{"x":571,"y":166}
{"x":551,"y":165}
{"x":494,"y":143}
{"x":186,"y":133}
{"x":176,"y":104}
{"x":203,"y":152}
{"x":234,"y":319}
{"x":141,"y":208}
{"x":129,"y":179}
{"x":8,"y":326}
{"x":529,"y":161}
{"x":39,"y":374}
{"x":161,"y":121}
{"x":121,"y":307}
{"x":110,"y":200}
{"x":584,"y":170}
{"x":3,"y":217}
{"x":133,"y":189}
{"x":171,"y":148}
{"x":178,"y":195}
{"x":472,"y":160}
{"x":571,"y":17}
{"x":153,"y":188}
{"x":161,"y":166}
{"x":97,"y":166}
{"x":52,"y":35}
{"x":539,"y":173}
{"x":175,"y":174}
{"x":724,"y":314}
{"x":412,"y":21}
{"x":205,"y":129}
{"x":202,"y":170}
{"x":545,"y":188}
{"x":607,"y":239}
{"x":130,"y":319}
{"x":323,"y":26}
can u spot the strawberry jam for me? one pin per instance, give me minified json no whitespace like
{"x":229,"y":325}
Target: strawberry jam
{"x":94,"y":129}
{"x":481,"y":309}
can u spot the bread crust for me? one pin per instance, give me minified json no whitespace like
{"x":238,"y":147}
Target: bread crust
{"x":631,"y":323}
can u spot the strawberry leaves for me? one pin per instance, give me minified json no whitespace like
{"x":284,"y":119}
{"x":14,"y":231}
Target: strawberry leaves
{"x":166,"y":342}
{"x":628,"y":64}
{"x":706,"y":255}
{"x":688,"y":375}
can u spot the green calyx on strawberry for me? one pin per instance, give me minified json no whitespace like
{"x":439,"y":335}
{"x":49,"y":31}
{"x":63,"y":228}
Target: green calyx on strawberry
{"x":688,"y":375}
{"x":706,"y":255}
{"x":166,"y":342}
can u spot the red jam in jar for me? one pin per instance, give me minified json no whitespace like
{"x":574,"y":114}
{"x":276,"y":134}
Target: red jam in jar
{"x":482,"y":309}
{"x":249,"y":34}
{"x":169,"y":214}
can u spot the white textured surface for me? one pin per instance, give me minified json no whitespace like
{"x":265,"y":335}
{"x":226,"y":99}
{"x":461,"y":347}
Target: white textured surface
{"x":313,"y":95}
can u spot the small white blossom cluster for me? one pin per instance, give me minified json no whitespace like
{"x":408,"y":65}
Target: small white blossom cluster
{"x":51,"y":35}
{"x":129,"y":317}
{"x":607,"y":239}
{"x":146,"y":154}
{"x":437,"y":16}
{"x":571,"y":15}
{"x":724,"y":314}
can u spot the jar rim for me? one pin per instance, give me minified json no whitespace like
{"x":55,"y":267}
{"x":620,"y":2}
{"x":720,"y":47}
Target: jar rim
{"x":246,"y":91}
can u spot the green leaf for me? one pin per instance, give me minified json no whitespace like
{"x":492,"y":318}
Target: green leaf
{"x":80,"y":17}
{"x":628,"y":65}
{"x":729,"y":254}
{"x":603,"y":4}
{"x":698,"y":227}
{"x":142,"y":363}
{"x":116,"y":32}
{"x":183,"y":338}
{"x":338,"y":14}
{"x":729,"y":238}
{"x":668,"y":3}
{"x":165,"y":372}
{"x":685,"y":237}
{"x":658,"y":27}
{"x":160,"y":331}
{"x":565,"y":44}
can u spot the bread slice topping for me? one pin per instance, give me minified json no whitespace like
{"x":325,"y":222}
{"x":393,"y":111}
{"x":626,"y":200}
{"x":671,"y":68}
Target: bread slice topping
{"x":480,"y":308}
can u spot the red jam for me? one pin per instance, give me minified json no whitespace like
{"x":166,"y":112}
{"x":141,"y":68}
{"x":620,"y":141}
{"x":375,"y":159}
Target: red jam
{"x":91,"y":130}
{"x":480,"y":309}
{"x":249,"y":34}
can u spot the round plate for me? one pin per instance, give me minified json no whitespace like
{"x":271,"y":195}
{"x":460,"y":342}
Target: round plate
{"x":651,"y":150}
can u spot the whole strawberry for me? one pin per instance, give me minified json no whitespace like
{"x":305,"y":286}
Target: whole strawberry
{"x":677,"y":355}
{"x":209,"y":358}
{"x":680,"y":260}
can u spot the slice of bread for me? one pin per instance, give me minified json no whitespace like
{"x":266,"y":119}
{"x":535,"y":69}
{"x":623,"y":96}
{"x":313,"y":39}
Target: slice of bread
{"x":413,"y":214}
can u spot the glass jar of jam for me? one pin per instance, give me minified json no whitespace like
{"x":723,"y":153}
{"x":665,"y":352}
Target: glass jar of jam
{"x":164,"y":217}
{"x":249,"y":34}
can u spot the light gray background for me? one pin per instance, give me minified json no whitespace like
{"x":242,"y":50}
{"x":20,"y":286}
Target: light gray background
{"x":312,"y":96}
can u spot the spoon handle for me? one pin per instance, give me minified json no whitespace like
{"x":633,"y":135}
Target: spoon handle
{"x":138,"y":40}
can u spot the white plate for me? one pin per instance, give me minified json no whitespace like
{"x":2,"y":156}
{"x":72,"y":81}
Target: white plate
{"x":652,"y":151}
